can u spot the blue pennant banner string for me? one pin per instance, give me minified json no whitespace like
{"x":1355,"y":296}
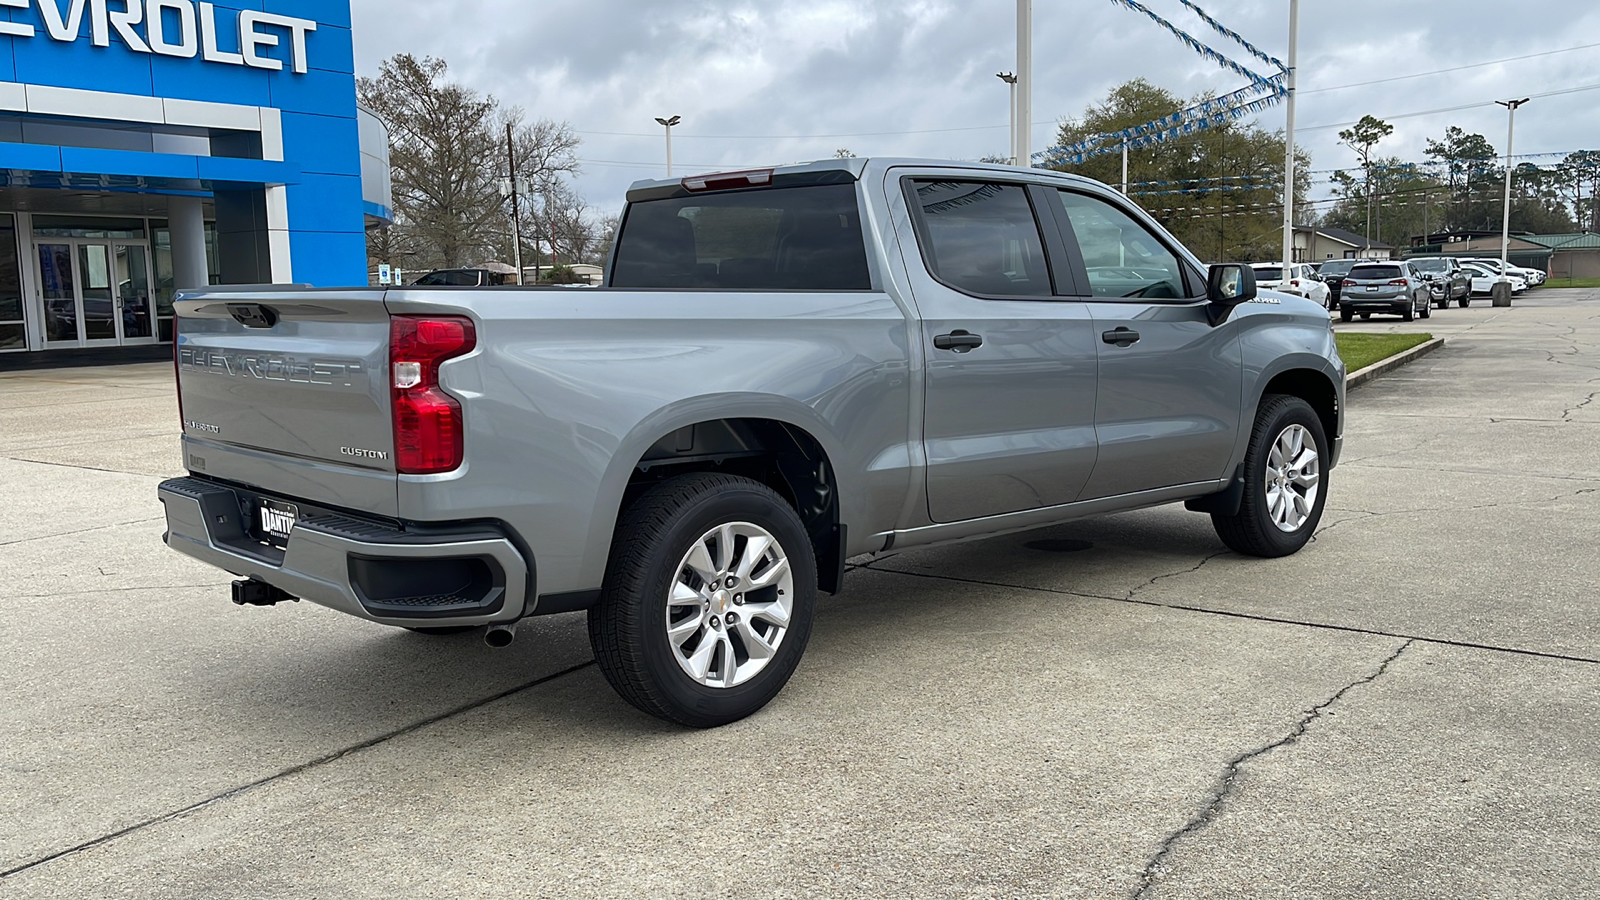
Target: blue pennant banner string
{"x":1206,"y":108}
{"x":1191,"y":41}
{"x":1235,"y":36}
{"x":1057,"y":156}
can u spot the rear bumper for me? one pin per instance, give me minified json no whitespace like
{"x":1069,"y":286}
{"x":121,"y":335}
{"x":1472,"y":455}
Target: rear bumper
{"x":474,"y":575}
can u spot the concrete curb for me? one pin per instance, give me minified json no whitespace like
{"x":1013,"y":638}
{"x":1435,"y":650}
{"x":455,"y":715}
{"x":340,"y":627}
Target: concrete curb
{"x":1385,"y":366}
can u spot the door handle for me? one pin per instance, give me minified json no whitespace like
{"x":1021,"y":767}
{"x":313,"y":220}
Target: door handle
{"x":959,"y":341}
{"x":1122,"y":336}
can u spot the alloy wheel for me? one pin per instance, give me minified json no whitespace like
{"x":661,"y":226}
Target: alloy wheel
{"x":1293,"y":478}
{"x":729,"y":605}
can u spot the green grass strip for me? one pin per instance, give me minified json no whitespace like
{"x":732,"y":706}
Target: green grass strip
{"x":1362,"y":350}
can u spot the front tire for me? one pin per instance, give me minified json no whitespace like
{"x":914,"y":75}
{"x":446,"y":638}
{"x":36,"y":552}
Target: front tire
{"x":708,"y":600}
{"x":1466,"y":301}
{"x":1285,"y":481}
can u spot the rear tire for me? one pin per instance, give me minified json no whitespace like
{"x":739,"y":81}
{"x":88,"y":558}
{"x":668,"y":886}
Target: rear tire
{"x":1427,"y":310}
{"x":1366,"y":316}
{"x":658,"y":619}
{"x":1346,"y":315}
{"x":1466,"y":302}
{"x":1285,"y":488}
{"x":1409,"y":313}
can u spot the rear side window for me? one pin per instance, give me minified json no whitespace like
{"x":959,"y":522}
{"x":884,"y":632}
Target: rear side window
{"x":1373,"y":273}
{"x":789,"y":239}
{"x":982,"y":238}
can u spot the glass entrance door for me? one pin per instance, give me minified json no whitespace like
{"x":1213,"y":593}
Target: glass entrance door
{"x":96,"y":293}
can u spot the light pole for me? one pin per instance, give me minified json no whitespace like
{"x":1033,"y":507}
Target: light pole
{"x":1505,"y":230}
{"x":1011,"y":80}
{"x":667,"y":124}
{"x":1024,"y":118}
{"x":1288,"y":141}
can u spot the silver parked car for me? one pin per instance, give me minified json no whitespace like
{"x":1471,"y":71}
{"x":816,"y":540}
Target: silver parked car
{"x":1394,"y":288}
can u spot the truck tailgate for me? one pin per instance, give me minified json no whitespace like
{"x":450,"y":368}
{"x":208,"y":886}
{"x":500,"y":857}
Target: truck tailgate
{"x":290,"y":393}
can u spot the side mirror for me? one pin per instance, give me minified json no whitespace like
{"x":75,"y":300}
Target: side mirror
{"x":1228,"y":286}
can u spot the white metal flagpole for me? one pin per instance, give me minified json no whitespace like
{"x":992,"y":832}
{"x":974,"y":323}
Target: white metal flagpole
{"x":1024,"y":82}
{"x":1288,"y":141}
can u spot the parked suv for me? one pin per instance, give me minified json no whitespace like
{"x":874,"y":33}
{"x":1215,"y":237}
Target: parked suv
{"x":1395,"y":288}
{"x":1332,"y":274}
{"x":1446,"y":271}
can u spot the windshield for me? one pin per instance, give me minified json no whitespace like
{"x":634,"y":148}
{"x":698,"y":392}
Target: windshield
{"x":1375,"y":273}
{"x":789,"y":239}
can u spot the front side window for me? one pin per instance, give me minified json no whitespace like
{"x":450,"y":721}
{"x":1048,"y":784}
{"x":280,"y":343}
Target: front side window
{"x":777,"y":238}
{"x":1122,"y":257}
{"x":982,"y":238}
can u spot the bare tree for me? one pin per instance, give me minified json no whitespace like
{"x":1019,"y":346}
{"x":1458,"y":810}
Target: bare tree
{"x":448,"y":155}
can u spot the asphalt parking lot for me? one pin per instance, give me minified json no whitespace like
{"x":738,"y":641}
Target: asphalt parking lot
{"x":1115,"y":708}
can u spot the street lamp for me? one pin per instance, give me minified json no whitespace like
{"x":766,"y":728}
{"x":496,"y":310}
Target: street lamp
{"x":667,"y":124}
{"x":1024,"y":126}
{"x":1503,"y":298}
{"x":1011,"y":80}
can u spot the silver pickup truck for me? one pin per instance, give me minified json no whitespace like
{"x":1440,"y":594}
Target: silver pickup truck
{"x":785,"y":368}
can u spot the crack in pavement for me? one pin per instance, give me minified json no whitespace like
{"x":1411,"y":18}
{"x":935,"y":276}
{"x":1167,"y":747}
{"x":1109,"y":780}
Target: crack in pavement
{"x":1566,"y":415}
{"x":291,"y":771}
{"x":60,"y":465}
{"x":46,"y":537}
{"x":1499,"y":504}
{"x":1248,"y":617}
{"x":1155,"y":869}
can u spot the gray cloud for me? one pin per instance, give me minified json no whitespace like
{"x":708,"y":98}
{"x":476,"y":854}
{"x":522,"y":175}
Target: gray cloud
{"x":916,"y":77}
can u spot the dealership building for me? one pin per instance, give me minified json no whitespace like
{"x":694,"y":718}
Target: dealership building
{"x":150,"y":146}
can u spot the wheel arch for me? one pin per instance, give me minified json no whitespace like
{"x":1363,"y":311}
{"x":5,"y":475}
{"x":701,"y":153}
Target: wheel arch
{"x":780,"y":443}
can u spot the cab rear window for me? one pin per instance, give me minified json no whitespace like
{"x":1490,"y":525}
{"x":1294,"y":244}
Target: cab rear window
{"x":1373,"y":273}
{"x":785,"y":239}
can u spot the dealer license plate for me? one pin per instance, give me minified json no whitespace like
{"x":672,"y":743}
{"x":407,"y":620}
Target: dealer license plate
{"x":1372,"y":287}
{"x":276,"y":519}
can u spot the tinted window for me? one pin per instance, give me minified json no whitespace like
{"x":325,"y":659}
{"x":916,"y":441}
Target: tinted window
{"x":1123,"y":258}
{"x":982,"y":238}
{"x":1269,"y":273}
{"x":451,"y":278}
{"x":1335,"y":267}
{"x":1373,"y":273}
{"x":796,"y":239}
{"x":1431,"y":265}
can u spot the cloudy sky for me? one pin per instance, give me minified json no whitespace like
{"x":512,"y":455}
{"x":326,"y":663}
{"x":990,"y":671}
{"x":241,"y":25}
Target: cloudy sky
{"x":763,"y":81}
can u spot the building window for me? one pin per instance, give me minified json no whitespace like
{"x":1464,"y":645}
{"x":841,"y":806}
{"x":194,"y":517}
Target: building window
{"x":13,"y":333}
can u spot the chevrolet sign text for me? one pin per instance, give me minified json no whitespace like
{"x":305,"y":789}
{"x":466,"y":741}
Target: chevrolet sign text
{"x":181,"y":28}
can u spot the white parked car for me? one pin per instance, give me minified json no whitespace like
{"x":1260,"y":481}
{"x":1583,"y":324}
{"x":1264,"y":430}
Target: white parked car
{"x":1484,"y":277}
{"x":1303,"y":281}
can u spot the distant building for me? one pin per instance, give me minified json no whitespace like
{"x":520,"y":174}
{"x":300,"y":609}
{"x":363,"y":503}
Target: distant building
{"x":1573,"y":255}
{"x":1316,"y":245}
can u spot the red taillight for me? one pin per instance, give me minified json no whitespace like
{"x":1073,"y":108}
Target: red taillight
{"x":427,"y":421}
{"x":1348,"y":282}
{"x":1398,"y":281}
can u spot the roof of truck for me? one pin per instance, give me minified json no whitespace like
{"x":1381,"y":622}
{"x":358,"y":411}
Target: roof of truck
{"x":856,"y":167}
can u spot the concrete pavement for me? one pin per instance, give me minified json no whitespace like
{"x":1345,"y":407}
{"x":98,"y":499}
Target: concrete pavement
{"x":1109,"y":708}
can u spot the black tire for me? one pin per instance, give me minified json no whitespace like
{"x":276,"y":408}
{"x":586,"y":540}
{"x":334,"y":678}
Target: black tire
{"x":444,"y":631}
{"x":1252,"y":531}
{"x":1409,"y":313}
{"x":1427,"y":310}
{"x":627,"y":629}
{"x":1366,"y":316}
{"x":1346,"y":315}
{"x":1466,"y":301}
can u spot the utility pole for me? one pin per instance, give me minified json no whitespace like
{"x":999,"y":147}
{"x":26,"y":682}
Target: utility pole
{"x":1124,"y":169}
{"x":1288,"y":140}
{"x":1024,"y":124}
{"x":516,"y":212}
{"x":1505,"y":230}
{"x":1011,"y":81}
{"x":667,"y":124}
